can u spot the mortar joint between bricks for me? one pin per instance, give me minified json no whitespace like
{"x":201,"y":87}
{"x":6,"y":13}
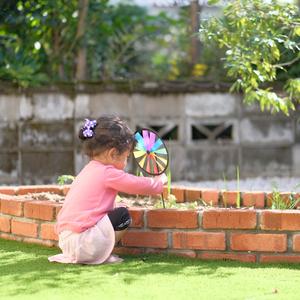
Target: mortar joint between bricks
{"x":200,"y":217}
{"x":170,"y":240}
{"x":39,"y":229}
{"x":289,"y":242}
{"x":227,"y":240}
{"x":145,"y":215}
{"x":265,"y":200}
{"x":24,"y":219}
{"x":258,"y":219}
{"x":53,"y":216}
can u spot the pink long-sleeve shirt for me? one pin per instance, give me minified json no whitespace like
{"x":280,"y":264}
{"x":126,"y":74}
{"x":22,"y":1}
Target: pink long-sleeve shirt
{"x":93,"y":192}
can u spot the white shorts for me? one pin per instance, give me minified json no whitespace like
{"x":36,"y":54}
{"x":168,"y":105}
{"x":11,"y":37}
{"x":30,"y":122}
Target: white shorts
{"x":92,"y":246}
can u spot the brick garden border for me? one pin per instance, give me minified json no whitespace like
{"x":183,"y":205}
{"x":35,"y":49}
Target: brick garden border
{"x":248,"y":235}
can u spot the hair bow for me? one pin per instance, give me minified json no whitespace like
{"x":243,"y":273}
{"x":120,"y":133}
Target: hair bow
{"x":88,"y":128}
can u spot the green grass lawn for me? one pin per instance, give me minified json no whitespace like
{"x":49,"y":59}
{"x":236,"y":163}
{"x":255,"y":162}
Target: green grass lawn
{"x":27,"y":274}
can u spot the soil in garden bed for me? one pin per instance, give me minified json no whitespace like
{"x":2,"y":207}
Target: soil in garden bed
{"x":148,"y":202}
{"x":155,"y":202}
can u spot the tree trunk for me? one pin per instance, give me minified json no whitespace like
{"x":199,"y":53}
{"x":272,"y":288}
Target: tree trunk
{"x":81,"y":54}
{"x":58,"y":65}
{"x":195,"y":42}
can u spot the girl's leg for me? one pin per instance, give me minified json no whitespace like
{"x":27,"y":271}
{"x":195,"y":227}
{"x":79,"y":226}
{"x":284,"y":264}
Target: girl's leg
{"x":119,"y":235}
{"x":120,"y":220}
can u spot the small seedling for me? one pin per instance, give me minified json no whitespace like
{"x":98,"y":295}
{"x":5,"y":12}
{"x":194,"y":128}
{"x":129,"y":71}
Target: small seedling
{"x":65,"y":179}
{"x":279,"y":202}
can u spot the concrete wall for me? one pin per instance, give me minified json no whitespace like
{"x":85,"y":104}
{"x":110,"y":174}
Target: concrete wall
{"x":208,"y":134}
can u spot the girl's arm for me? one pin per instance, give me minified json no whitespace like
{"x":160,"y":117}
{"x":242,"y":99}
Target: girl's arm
{"x":130,"y":184}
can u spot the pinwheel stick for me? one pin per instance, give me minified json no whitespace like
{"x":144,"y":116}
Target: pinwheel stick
{"x":163,"y":201}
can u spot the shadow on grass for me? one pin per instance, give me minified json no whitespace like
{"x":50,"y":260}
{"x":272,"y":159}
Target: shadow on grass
{"x":25,"y":269}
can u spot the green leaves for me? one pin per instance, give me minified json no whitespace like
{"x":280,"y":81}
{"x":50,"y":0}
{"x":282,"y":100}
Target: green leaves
{"x":65,"y":179}
{"x":293,"y":89}
{"x":213,"y":2}
{"x":259,"y":37}
{"x":38,"y":41}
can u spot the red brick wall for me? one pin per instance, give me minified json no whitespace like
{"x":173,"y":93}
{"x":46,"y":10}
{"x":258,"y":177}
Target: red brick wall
{"x":250,"y":235}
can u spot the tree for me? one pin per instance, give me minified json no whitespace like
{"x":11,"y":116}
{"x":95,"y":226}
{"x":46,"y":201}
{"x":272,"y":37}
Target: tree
{"x":81,"y":28}
{"x":262,"y":40}
{"x":44,"y":41}
{"x":36,"y":40}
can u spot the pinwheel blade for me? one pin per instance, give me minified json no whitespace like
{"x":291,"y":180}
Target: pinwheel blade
{"x":161,"y":151}
{"x":150,"y":152}
{"x":157,"y":144}
{"x":142,"y":162}
{"x":146,"y":139}
{"x":140,"y":142}
{"x":139,"y":153}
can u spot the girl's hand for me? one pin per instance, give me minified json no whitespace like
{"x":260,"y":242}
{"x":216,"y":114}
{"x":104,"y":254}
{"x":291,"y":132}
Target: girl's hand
{"x":163,"y":177}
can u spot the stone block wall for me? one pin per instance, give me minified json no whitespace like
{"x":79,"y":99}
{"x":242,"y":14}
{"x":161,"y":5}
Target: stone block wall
{"x":208,"y":134}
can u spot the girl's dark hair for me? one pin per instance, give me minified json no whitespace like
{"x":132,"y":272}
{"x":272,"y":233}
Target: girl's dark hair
{"x":109,"y":132}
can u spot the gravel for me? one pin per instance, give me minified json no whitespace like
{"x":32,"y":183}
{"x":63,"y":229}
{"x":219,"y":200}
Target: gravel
{"x":282,"y":184}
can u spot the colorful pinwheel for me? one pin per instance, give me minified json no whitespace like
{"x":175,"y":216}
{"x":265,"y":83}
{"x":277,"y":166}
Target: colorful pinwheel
{"x":150,"y":152}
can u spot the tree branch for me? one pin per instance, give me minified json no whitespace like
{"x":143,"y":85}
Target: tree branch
{"x":288,"y":62}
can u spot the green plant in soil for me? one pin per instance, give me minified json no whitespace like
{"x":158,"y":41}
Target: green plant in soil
{"x":281,"y":202}
{"x":65,"y":179}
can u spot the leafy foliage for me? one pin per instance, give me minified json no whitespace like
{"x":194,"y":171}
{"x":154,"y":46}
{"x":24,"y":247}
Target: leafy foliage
{"x":65,"y":179}
{"x":39,"y":41}
{"x":35,"y":39}
{"x":281,"y":202}
{"x":261,"y":40}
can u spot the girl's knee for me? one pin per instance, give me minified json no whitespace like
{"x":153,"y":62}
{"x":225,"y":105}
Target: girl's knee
{"x":120,"y":218}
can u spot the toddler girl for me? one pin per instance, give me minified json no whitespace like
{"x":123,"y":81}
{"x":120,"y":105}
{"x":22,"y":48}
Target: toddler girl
{"x":89,"y":224}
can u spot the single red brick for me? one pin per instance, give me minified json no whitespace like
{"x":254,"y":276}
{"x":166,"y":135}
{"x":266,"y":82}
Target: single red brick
{"x":40,"y":242}
{"x":256,"y":199}
{"x":192,"y":194}
{"x":155,"y":251}
{"x":265,"y":258}
{"x":11,"y":237}
{"x":48,"y":232}
{"x":284,"y":196}
{"x":297,"y":197}
{"x":137,"y":216}
{"x":258,"y":242}
{"x":227,"y":256}
{"x":24,"y":228}
{"x":66,"y":189}
{"x":8,"y":190}
{"x":199,"y":240}
{"x":145,"y":239}
{"x":5,"y":224}
{"x":165,"y":192}
{"x":210,"y":197}
{"x":172,"y":218}
{"x":43,"y":210}
{"x":58,"y":207}
{"x":179,"y":193}
{"x":230,"y":198}
{"x":12,"y":206}
{"x":280,"y":220}
{"x":296,"y":242}
{"x":124,"y":250}
{"x":183,"y":253}
{"x":229,"y":219}
{"x":28,"y":189}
